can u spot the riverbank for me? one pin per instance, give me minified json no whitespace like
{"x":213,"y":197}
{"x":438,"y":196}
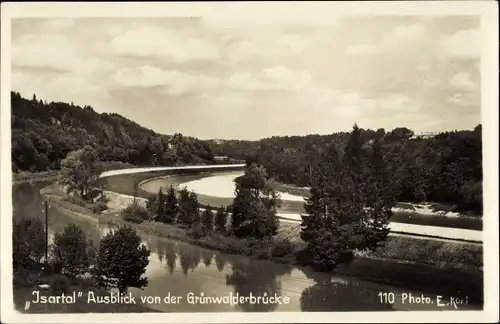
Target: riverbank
{"x":412,"y":263}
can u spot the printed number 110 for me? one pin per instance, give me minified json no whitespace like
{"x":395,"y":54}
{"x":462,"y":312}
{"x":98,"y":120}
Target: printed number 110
{"x":386,"y":298}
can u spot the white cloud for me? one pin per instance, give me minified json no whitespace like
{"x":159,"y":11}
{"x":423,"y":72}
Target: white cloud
{"x":462,"y":80}
{"x":400,"y":37}
{"x":464,"y":44}
{"x":62,"y":87}
{"x":253,"y":16}
{"x":246,"y":81}
{"x":54,"y":51}
{"x":275,"y":78}
{"x":287,"y":79}
{"x":464,"y":99}
{"x":422,"y":67}
{"x":177,"y":46}
{"x":398,"y":102}
{"x":269,"y":45}
{"x":56,"y":25}
{"x":174,"y":82}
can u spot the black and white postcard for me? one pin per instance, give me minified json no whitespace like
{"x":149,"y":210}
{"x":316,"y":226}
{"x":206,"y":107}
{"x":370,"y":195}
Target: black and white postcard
{"x":249,"y":162}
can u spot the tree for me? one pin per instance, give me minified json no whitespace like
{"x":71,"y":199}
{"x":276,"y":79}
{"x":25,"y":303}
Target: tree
{"x":170,"y":205}
{"x":71,"y":251}
{"x":325,"y":226}
{"x":379,"y":200}
{"x":122,"y":260}
{"x":151,"y":204}
{"x":255,"y":205}
{"x":188,"y":208}
{"x":84,"y":171}
{"x":184,"y":206}
{"x":28,"y":242}
{"x":350,"y":203}
{"x":220,"y":220}
{"x":160,"y":207}
{"x":207,"y":219}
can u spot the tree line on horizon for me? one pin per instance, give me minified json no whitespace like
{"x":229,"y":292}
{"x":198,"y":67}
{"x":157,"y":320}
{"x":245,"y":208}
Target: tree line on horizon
{"x":44,"y":133}
{"x":446,"y":168}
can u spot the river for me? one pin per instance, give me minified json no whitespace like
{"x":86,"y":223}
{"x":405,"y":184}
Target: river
{"x":179,"y":269}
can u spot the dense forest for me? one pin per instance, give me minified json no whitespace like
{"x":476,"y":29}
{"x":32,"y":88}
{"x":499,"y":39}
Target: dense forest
{"x":44,"y":133}
{"x":446,"y":168}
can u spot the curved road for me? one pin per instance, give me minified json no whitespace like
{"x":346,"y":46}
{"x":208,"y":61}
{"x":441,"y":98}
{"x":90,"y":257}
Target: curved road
{"x":429,"y":232}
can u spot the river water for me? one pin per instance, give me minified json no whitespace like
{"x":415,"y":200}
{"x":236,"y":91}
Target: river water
{"x":178,"y":269}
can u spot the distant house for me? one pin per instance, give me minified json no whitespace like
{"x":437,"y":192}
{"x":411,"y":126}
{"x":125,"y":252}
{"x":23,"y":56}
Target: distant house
{"x":424,"y":135}
{"x":221,"y":158}
{"x":170,"y":145}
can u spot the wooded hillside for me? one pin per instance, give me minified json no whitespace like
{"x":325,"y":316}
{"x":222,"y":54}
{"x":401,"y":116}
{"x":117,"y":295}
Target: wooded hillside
{"x":44,"y":133}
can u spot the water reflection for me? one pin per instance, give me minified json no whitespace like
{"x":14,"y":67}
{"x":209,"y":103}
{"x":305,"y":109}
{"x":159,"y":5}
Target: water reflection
{"x":220,"y":261}
{"x":27,"y":202}
{"x":189,"y":260}
{"x":330,"y":294}
{"x":250,"y":277}
{"x":207,"y":258}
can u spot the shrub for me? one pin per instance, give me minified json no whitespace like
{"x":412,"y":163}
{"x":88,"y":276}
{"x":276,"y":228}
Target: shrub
{"x":59,"y":285}
{"x":99,"y":207}
{"x":197,"y":231}
{"x":220,"y":220}
{"x":86,"y":283}
{"x":281,"y":248}
{"x":135,"y":213}
{"x":21,"y":277}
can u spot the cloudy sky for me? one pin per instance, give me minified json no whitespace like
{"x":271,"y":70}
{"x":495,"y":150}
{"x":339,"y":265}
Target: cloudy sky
{"x":248,"y":77}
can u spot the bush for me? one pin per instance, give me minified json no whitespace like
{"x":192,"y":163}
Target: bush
{"x":135,"y":213}
{"x":197,"y":231}
{"x":59,"y":285}
{"x":281,"y":248}
{"x":99,"y":207}
{"x":21,"y":278}
{"x":86,"y":283}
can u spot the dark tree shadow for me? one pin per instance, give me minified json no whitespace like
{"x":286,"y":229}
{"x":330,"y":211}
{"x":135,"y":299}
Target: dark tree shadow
{"x":189,"y":258}
{"x":259,"y":279}
{"x":207,"y":258}
{"x":220,"y":261}
{"x":340,"y":295}
{"x":171,"y":257}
